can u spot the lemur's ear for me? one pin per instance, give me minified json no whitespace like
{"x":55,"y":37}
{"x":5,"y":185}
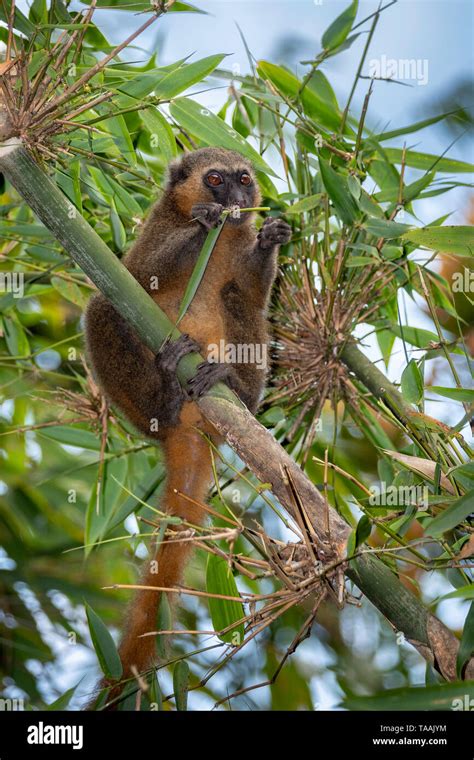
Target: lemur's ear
{"x":176,"y":172}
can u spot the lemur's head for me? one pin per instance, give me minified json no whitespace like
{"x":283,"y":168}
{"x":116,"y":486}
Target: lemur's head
{"x":214,"y":175}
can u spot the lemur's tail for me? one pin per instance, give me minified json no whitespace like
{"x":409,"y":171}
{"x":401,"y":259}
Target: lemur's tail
{"x":188,"y":466}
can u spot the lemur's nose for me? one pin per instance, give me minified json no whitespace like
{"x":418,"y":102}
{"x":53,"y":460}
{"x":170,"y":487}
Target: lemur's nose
{"x":236,"y":199}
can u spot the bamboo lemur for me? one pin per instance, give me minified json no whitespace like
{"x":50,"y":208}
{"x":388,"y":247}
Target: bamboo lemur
{"x":230,"y":305}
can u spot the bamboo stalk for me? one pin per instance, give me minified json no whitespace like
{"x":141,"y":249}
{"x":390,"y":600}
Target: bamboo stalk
{"x":254,"y":444}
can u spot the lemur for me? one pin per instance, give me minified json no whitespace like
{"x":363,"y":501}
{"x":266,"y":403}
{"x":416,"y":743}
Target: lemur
{"x":230,"y":304}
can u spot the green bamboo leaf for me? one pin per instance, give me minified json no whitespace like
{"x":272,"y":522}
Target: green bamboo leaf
{"x":190,"y":73}
{"x":448,"y":239}
{"x":118,"y":231}
{"x":142,"y":492}
{"x":125,"y":202}
{"x":385,"y":229}
{"x":385,"y":339}
{"x":466,"y":647}
{"x":104,"y":645}
{"x":224,"y":612}
{"x":369,"y":205}
{"x":412,"y":383}
{"x":354,"y":186}
{"x":69,"y":180}
{"x":415,"y":127}
{"x":101,"y":509}
{"x":181,"y":684}
{"x":445,"y":696}
{"x":452,"y":516}
{"x":156,"y":697}
{"x":416,"y":336}
{"x":456,"y":394}
{"x":212,"y":130}
{"x":363,"y":530}
{"x":72,"y":436}
{"x":156,"y":124}
{"x":291,"y":87}
{"x":357,"y":261}
{"x":464,"y":592}
{"x":70,"y":291}
{"x":163,"y":623}
{"x":338,"y":191}
{"x":320,"y":85}
{"x":20,"y":21}
{"x":412,"y":191}
{"x":337,"y":32}
{"x":305,"y":204}
{"x":199,"y":269}
{"x":427,"y":162}
{"x":144,"y":5}
{"x":62,"y":702}
{"x":464,"y":475}
{"x":15,"y":336}
{"x":117,"y":126}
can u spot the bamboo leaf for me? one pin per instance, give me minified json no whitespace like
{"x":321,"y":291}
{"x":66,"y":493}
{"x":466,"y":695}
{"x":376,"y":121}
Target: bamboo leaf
{"x":104,"y":645}
{"x":184,"y":77}
{"x":449,"y":239}
{"x":424,"y":467}
{"x":337,"y":32}
{"x":70,"y":291}
{"x":446,"y":696}
{"x":466,"y":647}
{"x":338,"y":191}
{"x":415,"y":127}
{"x":224,"y":612}
{"x":156,"y":124}
{"x":15,"y":336}
{"x":427,"y":162}
{"x":385,"y":229}
{"x":456,"y":394}
{"x":452,"y":516}
{"x":199,"y":269}
{"x":305,"y":204}
{"x":214,"y":131}
{"x":417,"y":336}
{"x":412,"y":383}
{"x":181,"y":685}
{"x":70,"y":436}
{"x":292,"y":88}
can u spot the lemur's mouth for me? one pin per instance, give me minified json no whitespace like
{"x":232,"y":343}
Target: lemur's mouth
{"x":235,"y":214}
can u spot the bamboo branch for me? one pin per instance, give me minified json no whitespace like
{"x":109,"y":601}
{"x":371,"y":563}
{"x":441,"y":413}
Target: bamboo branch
{"x":254,"y":444}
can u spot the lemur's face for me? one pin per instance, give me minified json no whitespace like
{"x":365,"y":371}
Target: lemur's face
{"x":234,"y":189}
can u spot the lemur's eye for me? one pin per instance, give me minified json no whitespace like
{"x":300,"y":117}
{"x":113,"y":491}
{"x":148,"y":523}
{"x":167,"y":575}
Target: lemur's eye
{"x":246,"y":179}
{"x":214,"y":179}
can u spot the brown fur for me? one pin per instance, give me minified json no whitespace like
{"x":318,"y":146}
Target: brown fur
{"x":230,"y":304}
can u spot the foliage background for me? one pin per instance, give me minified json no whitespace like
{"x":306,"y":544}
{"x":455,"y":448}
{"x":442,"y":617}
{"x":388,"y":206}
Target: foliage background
{"x":51,"y":467}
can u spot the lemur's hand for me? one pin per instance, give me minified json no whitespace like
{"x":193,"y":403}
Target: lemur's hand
{"x":273,"y":232}
{"x":207,"y":214}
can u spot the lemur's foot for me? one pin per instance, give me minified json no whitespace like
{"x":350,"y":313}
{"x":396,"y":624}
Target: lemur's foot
{"x":208,"y":214}
{"x":208,"y":374}
{"x":171,"y":354}
{"x":273,"y":232}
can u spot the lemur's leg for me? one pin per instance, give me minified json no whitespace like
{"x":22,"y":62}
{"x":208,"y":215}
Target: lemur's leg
{"x":143,"y":386}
